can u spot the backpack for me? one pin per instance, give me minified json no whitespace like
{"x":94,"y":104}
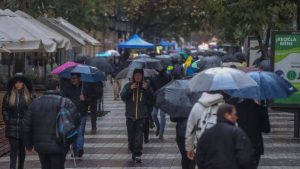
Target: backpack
{"x":207,"y":120}
{"x":67,"y":122}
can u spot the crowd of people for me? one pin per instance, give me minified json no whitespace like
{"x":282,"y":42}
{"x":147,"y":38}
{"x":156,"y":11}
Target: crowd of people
{"x":218,"y":133}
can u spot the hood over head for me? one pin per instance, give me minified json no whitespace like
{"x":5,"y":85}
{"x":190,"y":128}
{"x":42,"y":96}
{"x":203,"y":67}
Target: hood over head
{"x":141,"y":71}
{"x":19,"y":77}
{"x":207,"y":99}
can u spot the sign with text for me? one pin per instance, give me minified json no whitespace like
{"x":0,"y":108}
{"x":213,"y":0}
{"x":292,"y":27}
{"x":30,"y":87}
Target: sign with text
{"x":286,"y":63}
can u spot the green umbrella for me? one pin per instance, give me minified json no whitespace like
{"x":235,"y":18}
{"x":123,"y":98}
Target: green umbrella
{"x":185,"y":55}
{"x":195,"y":64}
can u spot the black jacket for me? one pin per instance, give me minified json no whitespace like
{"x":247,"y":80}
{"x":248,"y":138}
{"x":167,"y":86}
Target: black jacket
{"x":39,"y":129}
{"x":137,"y":101}
{"x":13,"y":116}
{"x":254,"y":120}
{"x":73,"y":92}
{"x":224,"y":146}
{"x":180,"y":126}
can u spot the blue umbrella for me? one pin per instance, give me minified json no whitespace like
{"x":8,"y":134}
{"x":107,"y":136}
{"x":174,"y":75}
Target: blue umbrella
{"x":88,"y":73}
{"x":270,"y":86}
{"x":104,"y":54}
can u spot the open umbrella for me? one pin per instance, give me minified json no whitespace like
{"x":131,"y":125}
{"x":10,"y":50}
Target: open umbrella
{"x":209,"y":62}
{"x":88,"y":73}
{"x":103,"y":54}
{"x":220,"y":78}
{"x":174,"y":99}
{"x":102,"y":64}
{"x":62,"y":67}
{"x":166,"y":60}
{"x":270,"y":86}
{"x":142,"y":56}
{"x":265,"y":65}
{"x":128,"y":73}
{"x":113,"y":53}
{"x":146,"y":63}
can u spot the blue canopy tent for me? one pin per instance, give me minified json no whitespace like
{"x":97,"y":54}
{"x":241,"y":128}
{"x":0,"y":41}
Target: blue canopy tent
{"x":135,"y":42}
{"x":166,"y":43}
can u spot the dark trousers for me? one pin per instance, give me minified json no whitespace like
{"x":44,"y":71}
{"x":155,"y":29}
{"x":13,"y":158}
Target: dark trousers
{"x":256,"y":159}
{"x":17,"y":151}
{"x":52,"y":161}
{"x":186,"y":163}
{"x":93,"y":109}
{"x":146,"y":128}
{"x":135,"y":130}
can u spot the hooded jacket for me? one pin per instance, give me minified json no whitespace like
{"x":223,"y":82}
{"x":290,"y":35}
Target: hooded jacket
{"x":13,"y":115}
{"x":39,"y":128}
{"x":205,"y":101}
{"x":224,"y":146}
{"x":138,"y":101}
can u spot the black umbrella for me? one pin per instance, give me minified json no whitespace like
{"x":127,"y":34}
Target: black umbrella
{"x":128,"y":73}
{"x":230,"y":58}
{"x":102,"y":64}
{"x":175,"y":99}
{"x":166,"y":60}
{"x":81,"y":58}
{"x":146,"y":63}
{"x":209,"y":62}
{"x":265,"y":65}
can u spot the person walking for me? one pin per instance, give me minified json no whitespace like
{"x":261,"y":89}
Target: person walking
{"x":181,"y":122}
{"x":116,"y":82}
{"x":208,"y":103}
{"x":254,"y":120}
{"x":137,"y":96}
{"x":156,"y":83}
{"x":80,"y":96}
{"x":225,"y":145}
{"x":15,"y":103}
{"x":39,"y":128}
{"x":95,"y":97}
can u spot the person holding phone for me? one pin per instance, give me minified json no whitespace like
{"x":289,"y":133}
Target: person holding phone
{"x":138,"y":97}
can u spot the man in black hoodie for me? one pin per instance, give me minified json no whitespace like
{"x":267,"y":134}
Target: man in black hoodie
{"x":137,"y":96}
{"x":39,"y":128}
{"x":224,"y":145}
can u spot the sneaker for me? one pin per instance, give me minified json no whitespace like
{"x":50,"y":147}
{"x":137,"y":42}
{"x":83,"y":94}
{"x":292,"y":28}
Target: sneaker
{"x":138,"y":159}
{"x":157,"y":131}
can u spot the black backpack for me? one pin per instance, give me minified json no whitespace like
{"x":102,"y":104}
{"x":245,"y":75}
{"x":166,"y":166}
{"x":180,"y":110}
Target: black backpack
{"x":67,"y":122}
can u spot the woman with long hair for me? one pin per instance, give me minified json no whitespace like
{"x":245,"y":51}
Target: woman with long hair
{"x":15,"y":103}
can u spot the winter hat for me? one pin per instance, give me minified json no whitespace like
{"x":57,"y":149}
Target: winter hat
{"x":19,"y":77}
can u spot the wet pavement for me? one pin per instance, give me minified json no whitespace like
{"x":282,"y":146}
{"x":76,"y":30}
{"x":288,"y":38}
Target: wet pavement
{"x":108,"y":148}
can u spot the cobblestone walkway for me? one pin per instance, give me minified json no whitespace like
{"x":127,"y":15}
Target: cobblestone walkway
{"x":108,"y":149}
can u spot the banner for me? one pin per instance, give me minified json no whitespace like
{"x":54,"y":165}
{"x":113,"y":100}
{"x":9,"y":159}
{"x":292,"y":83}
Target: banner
{"x":286,"y":63}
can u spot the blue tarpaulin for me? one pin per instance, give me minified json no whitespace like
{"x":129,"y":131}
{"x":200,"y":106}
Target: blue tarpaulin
{"x":135,"y":42}
{"x":166,"y":43}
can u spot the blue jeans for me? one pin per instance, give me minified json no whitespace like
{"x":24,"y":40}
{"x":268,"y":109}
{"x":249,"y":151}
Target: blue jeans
{"x":162,"y":123}
{"x":79,"y":142}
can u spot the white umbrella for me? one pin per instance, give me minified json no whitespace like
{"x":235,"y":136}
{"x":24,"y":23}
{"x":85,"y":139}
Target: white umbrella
{"x":113,"y":53}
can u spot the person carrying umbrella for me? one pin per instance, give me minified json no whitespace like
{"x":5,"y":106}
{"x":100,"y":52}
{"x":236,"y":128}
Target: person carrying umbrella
{"x":137,"y":96}
{"x":80,"y":96}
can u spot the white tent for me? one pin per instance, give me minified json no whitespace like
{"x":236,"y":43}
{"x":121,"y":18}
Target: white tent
{"x":76,"y":40}
{"x":21,"y":36}
{"x":62,"y":42}
{"x":77,"y":31}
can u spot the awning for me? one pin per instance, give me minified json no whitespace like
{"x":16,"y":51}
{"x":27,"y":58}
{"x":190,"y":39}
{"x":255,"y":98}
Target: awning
{"x":89,"y":39}
{"x":135,"y":42}
{"x":76,"y":40}
{"x":62,"y":42}
{"x":19,"y":35}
